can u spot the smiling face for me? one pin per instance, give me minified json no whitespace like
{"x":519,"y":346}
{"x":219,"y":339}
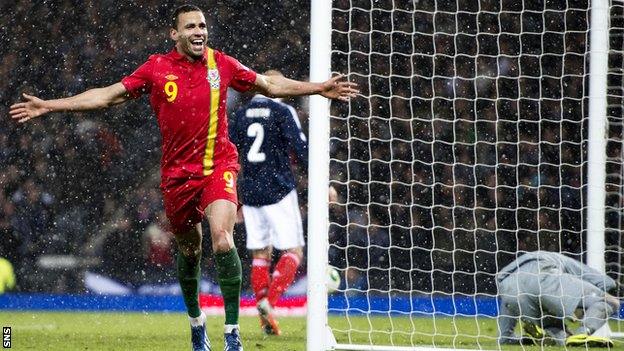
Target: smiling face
{"x":190,"y":35}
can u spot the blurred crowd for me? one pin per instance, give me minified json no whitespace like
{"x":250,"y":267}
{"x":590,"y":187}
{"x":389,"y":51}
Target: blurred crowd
{"x":467,"y":146}
{"x":472,"y":143}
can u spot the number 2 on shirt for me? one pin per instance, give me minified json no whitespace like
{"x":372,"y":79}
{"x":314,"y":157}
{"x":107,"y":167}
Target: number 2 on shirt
{"x":171,"y":89}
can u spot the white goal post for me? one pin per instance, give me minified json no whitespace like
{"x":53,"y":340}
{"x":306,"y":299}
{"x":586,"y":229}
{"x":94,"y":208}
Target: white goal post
{"x":318,"y":181}
{"x":483,"y":128}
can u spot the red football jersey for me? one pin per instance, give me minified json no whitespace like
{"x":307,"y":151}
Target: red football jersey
{"x":189,"y":99}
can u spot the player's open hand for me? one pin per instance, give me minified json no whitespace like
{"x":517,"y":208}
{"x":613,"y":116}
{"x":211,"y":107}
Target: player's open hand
{"x":340,"y":89}
{"x":29,"y":109}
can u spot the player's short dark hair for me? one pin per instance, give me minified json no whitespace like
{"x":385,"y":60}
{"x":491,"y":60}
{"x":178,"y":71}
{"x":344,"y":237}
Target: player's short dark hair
{"x":182,"y":9}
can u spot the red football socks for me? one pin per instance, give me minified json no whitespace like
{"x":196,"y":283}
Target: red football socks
{"x":283,"y":276}
{"x":260,"y":279}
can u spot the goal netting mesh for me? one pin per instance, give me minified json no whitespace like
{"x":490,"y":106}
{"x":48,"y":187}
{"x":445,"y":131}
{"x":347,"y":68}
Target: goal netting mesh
{"x":468,"y":146}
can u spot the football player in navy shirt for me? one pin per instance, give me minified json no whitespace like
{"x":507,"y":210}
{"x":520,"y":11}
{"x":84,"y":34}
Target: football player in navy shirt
{"x":266,"y":132}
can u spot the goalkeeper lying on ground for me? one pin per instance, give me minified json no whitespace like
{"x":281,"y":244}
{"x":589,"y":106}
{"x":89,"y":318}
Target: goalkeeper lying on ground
{"x":543,"y":290}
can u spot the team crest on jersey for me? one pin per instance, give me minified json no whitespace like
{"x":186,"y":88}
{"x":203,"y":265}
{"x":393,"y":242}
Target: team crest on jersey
{"x":214,"y":78}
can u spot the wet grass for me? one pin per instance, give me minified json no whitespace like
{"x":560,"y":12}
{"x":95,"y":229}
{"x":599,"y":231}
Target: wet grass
{"x":35,"y":330}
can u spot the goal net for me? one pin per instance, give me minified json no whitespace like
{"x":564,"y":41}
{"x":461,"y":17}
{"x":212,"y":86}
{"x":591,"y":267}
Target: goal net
{"x":468,"y":145}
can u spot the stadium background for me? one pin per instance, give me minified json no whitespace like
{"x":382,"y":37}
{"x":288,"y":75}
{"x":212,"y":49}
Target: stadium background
{"x":471,"y":145}
{"x":87,"y":187}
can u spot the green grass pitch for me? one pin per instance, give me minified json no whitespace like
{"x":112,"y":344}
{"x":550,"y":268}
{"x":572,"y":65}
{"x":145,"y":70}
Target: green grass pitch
{"x":34,"y":330}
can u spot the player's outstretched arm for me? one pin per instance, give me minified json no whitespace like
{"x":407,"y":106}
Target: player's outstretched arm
{"x":92,"y":99}
{"x":278,"y":86}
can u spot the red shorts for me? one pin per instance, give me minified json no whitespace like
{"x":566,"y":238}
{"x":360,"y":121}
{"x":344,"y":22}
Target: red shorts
{"x":186,"y":198}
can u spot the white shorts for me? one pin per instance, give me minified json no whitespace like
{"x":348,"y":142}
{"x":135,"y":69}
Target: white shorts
{"x":278,"y":225}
